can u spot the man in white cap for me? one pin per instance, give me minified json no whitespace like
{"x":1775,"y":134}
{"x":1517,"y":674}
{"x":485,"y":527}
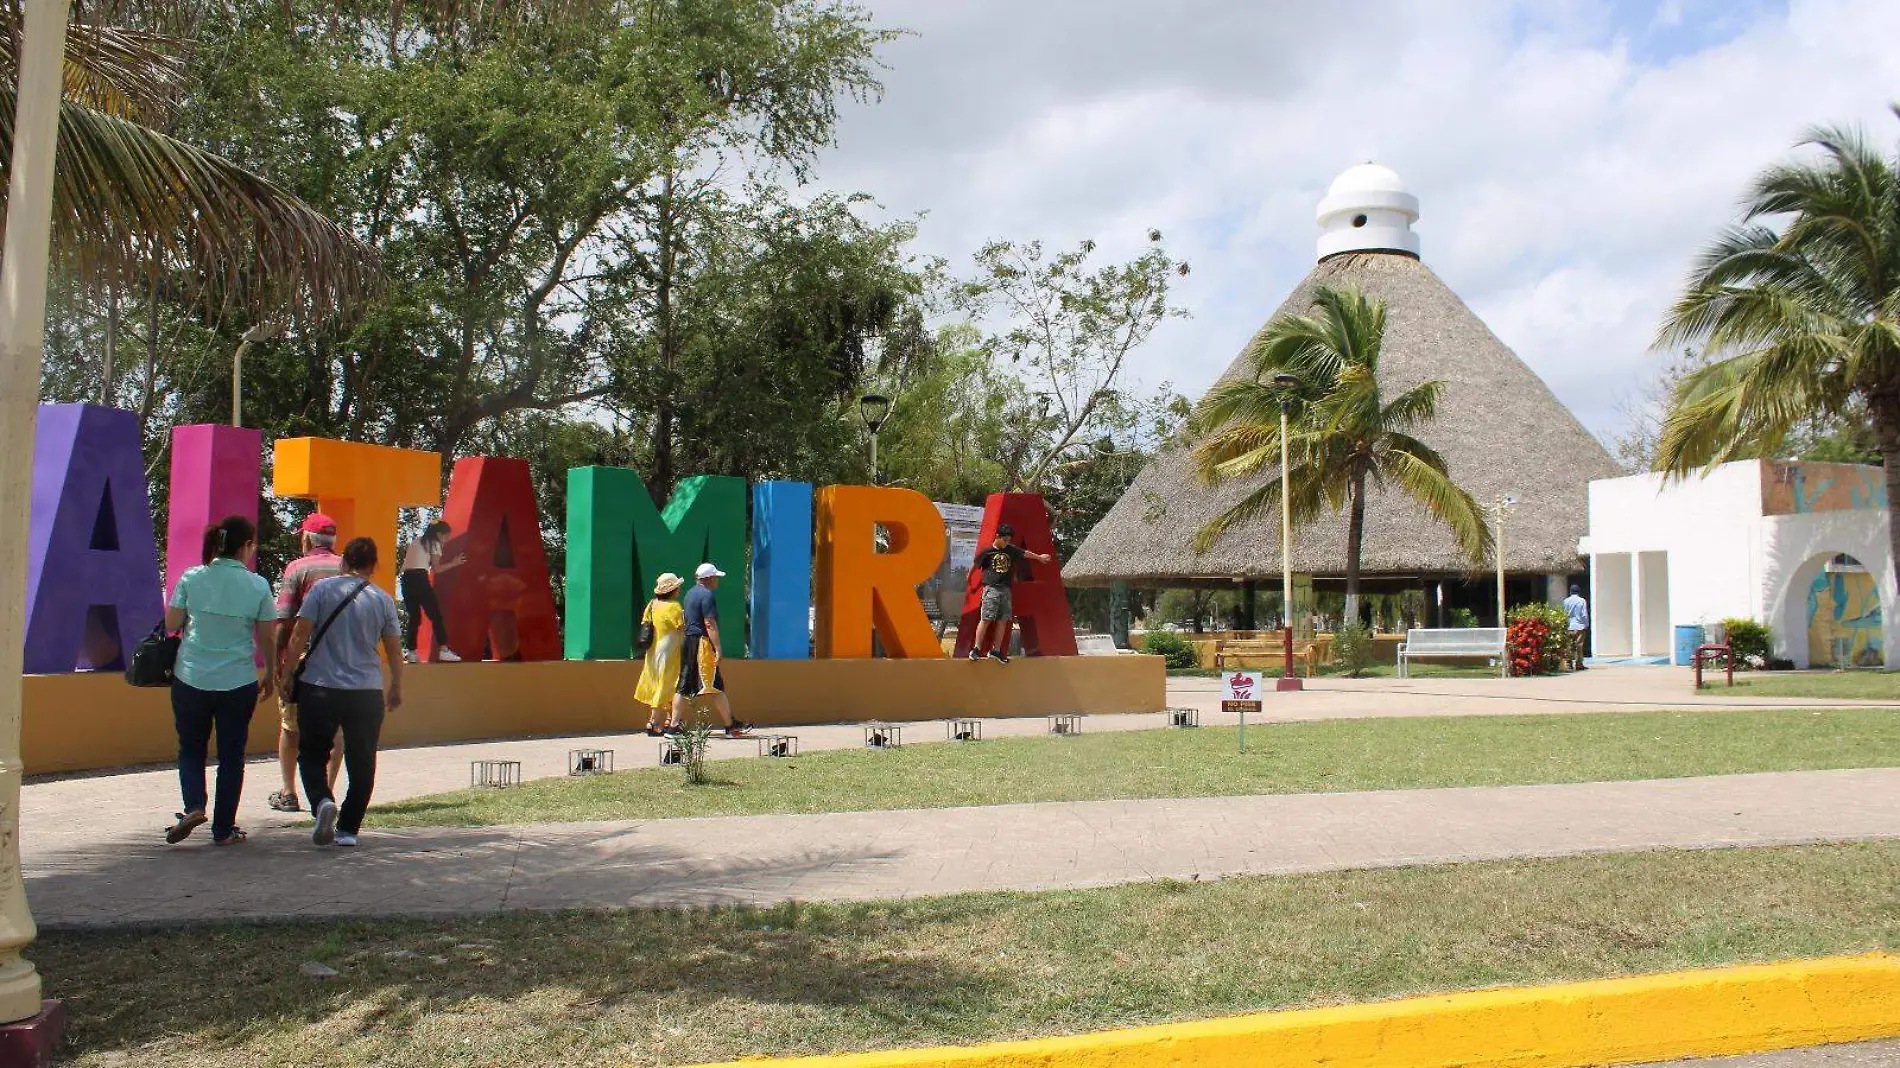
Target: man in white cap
{"x":699,"y":658}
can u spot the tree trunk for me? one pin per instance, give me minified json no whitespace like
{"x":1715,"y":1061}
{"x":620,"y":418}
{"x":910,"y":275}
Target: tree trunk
{"x":1355,"y":542}
{"x":660,"y":482}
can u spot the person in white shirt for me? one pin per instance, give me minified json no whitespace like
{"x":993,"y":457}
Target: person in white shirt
{"x":420,"y":563}
{"x":1577,"y":613}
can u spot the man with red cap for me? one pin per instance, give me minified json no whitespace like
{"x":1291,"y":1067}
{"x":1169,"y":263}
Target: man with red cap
{"x":318,"y":562}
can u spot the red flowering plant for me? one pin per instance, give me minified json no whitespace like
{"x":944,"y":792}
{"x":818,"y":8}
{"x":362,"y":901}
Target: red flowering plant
{"x":1534,"y":639}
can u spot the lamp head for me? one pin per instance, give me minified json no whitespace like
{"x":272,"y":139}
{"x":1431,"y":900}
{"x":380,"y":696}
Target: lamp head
{"x":874,"y":408}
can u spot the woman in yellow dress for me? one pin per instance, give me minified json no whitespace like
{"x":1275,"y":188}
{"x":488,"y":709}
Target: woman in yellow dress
{"x":661,"y":675}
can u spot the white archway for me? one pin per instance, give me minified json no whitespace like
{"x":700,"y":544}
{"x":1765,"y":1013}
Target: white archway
{"x":1799,"y":549}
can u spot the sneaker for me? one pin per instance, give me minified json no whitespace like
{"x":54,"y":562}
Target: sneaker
{"x":284,"y":802}
{"x":346,"y":840}
{"x":326,"y":823}
{"x":999,"y":656}
{"x":739,"y":730}
{"x":408,"y":656}
{"x":670,"y":732}
{"x":974,"y":655}
{"x":654,"y":732}
{"x":447,"y":656}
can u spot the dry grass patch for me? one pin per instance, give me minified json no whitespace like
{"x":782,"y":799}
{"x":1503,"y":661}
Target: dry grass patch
{"x":662,"y":988}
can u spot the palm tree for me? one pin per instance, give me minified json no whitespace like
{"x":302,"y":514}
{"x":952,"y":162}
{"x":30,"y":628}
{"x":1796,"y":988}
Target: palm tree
{"x":1802,"y":317}
{"x":131,"y":203}
{"x":1344,"y":435}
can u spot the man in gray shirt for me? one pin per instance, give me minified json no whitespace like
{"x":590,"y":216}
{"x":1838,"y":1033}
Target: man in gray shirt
{"x":343,"y":622}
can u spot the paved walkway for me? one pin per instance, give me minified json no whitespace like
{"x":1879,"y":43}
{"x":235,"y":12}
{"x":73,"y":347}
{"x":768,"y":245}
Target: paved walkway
{"x":64,"y":814}
{"x":869,"y":855}
{"x":1859,"y":1055}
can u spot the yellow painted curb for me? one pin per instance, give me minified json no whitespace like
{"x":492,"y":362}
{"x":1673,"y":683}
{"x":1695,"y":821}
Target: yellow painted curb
{"x":1612,"y":1021}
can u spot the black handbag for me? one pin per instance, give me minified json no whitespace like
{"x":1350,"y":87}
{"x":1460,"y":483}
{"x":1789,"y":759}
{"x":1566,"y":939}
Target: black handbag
{"x":154,"y":659}
{"x":296,"y":677}
{"x":644,"y":640}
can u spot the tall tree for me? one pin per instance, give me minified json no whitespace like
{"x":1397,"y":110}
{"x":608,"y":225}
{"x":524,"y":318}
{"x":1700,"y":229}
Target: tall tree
{"x":1344,"y":436}
{"x":1070,"y":329}
{"x":1799,"y":307}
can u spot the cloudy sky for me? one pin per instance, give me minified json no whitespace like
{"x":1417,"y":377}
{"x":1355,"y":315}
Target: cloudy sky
{"x":1570,"y":156}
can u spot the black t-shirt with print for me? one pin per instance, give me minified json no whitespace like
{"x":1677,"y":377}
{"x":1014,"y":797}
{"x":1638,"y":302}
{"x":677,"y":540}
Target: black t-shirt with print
{"x":999,"y":565}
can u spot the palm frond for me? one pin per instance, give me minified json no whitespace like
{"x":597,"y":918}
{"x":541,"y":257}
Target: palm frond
{"x":129,"y":201}
{"x":1428,"y":483}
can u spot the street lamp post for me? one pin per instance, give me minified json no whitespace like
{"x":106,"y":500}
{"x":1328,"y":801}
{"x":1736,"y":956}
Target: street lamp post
{"x":874,"y":408}
{"x":1284,"y":385}
{"x":1499,"y":509}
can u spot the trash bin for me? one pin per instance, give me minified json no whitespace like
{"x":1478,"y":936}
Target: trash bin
{"x":1688,"y":636}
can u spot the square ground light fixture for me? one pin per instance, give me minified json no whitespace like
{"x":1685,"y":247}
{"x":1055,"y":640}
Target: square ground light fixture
{"x":495,"y":774}
{"x":1065,"y":724}
{"x":778,"y":745}
{"x":883,"y":736}
{"x":1184,"y":717}
{"x":963,"y":730}
{"x":590,"y":761}
{"x":671,"y":755}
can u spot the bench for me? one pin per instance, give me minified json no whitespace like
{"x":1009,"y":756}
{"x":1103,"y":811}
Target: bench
{"x":1449,"y":643}
{"x":1095,"y":645}
{"x":1237,"y":653}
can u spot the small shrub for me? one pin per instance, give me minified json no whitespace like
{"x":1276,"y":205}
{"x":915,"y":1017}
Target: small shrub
{"x":1461,"y":617}
{"x":1352,"y":649}
{"x":1750,"y":641}
{"x":1777,"y":663}
{"x":1170,"y":647}
{"x":1535,"y":639}
{"x":691,"y":743}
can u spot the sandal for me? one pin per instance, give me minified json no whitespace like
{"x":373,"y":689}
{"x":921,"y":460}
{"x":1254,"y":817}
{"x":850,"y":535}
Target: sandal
{"x":237,"y":835}
{"x":283,"y":802}
{"x":187,"y":823}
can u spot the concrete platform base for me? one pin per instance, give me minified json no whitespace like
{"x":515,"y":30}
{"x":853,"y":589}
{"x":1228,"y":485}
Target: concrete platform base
{"x":91,"y":721}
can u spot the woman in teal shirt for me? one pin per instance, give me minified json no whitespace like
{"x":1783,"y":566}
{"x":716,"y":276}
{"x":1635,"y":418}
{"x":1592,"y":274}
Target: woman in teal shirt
{"x":228,"y":615}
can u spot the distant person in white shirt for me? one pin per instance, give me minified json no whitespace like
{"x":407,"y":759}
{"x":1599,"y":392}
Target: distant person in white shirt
{"x":420,"y":563}
{"x":1578,"y":612}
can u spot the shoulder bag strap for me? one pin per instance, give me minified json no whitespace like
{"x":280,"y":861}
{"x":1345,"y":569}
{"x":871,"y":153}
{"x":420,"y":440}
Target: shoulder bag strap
{"x":317,"y":639}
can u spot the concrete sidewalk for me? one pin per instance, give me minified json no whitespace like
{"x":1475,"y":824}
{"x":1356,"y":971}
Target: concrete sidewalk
{"x":62,"y":814}
{"x":1857,"y":1055}
{"x":870,"y":855}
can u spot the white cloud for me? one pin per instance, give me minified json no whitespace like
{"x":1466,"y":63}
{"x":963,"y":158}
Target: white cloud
{"x":1570,"y":158}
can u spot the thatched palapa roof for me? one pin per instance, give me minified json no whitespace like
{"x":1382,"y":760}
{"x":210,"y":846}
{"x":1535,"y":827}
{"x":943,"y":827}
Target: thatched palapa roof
{"x":1501,"y":431}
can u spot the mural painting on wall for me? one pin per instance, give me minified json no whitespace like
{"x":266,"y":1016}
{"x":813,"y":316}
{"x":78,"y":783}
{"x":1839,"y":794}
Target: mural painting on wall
{"x":1844,"y":617}
{"x":811,"y":576}
{"x":1804,"y":488}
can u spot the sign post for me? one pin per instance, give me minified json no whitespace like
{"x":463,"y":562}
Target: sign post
{"x":1240,"y":692}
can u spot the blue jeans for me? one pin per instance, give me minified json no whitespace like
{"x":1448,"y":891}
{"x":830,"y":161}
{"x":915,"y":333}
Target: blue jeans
{"x":196,"y":712}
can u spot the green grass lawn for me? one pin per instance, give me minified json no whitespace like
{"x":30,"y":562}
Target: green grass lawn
{"x":1367,"y":754}
{"x":657,"y":988}
{"x":1826,"y":685}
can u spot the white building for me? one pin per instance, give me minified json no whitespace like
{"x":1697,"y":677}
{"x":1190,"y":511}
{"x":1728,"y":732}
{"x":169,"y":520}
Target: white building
{"x":1801,"y":547}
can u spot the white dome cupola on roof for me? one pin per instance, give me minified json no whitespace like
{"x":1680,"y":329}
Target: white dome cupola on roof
{"x":1368,"y":210}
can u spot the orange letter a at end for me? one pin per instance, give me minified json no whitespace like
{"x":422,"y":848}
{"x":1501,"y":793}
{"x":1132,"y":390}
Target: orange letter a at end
{"x":857,"y":589}
{"x":362,"y":487}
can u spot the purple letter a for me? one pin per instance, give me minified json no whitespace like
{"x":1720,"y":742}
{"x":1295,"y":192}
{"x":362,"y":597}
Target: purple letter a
{"x":92,"y":569}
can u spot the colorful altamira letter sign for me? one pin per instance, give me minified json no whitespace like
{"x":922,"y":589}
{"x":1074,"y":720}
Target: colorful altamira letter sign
{"x":501,"y":594}
{"x":618,"y":545}
{"x":781,"y":570}
{"x":92,"y":569}
{"x":363,"y":487}
{"x":1040,"y":602}
{"x":859,"y":590}
{"x":217,"y":470}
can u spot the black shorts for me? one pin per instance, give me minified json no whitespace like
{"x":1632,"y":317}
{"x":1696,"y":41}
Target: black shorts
{"x":699,"y":668}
